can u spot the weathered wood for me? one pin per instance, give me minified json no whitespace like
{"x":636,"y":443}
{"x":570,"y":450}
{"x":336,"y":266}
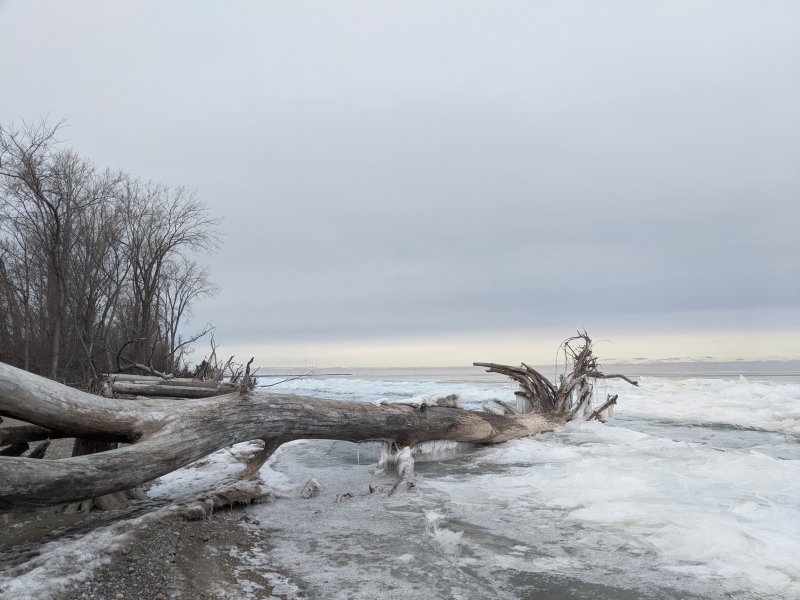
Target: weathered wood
{"x":15,"y":449}
{"x":612,"y":400}
{"x":40,"y":450}
{"x":171,"y":390}
{"x":130,"y":377}
{"x":257,"y":461}
{"x":177,"y":382}
{"x":574,"y":388}
{"x":617,"y":376}
{"x":166,"y":435}
{"x":27,"y":433}
{"x":540,"y":394}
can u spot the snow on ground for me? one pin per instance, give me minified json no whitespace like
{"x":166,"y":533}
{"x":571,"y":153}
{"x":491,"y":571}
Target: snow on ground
{"x":692,"y":490}
{"x":67,"y":561}
{"x":204,"y":474}
{"x":54,"y":565}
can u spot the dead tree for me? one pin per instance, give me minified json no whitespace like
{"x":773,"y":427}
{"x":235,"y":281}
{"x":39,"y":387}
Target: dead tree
{"x":92,"y":259}
{"x":537,"y":394}
{"x":164,"y":434}
{"x":160,"y":224}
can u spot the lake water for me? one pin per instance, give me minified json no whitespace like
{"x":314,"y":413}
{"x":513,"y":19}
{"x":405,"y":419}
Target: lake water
{"x":691,"y":490}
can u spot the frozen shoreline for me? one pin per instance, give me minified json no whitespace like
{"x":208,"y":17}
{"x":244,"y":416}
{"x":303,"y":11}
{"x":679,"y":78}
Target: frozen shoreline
{"x":691,"y":492}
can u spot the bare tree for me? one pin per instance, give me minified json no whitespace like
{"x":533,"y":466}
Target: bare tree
{"x":45,"y":190}
{"x":98,"y":274}
{"x":184,"y":281}
{"x":161,"y":225}
{"x":11,"y":332}
{"x":92,"y":263}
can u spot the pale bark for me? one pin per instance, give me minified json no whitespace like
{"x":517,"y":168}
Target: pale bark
{"x":171,"y":389}
{"x":574,"y":391}
{"x":167,"y":434}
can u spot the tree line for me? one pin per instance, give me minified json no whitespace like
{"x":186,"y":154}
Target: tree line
{"x":96,"y":267}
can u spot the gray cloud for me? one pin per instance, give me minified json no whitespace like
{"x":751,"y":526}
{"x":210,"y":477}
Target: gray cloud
{"x":392,"y":169}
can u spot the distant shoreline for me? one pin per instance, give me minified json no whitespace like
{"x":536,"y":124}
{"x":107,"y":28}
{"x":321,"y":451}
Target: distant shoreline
{"x":747,"y":368}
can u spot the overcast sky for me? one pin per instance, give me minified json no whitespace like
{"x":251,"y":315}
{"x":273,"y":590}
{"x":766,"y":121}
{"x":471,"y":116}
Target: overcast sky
{"x":432,"y":183}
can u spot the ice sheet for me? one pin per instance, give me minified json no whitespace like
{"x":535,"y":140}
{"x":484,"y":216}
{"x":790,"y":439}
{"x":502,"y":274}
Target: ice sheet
{"x":693,"y":490}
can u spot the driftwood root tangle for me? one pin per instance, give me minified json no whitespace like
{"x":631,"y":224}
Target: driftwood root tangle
{"x":537,"y":394}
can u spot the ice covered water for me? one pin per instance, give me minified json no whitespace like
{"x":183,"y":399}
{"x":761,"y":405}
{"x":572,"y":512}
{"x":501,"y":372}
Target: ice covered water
{"x":692,"y":490}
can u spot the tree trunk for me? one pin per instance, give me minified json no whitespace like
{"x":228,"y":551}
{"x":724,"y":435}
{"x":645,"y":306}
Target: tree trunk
{"x":55,"y":307}
{"x":166,"y":435}
{"x":172,"y":388}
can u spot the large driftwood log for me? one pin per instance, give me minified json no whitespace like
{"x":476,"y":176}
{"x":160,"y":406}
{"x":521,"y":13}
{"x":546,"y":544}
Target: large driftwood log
{"x":165,"y":435}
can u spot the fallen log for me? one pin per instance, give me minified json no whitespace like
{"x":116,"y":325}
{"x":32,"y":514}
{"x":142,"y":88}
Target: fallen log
{"x":40,"y":450}
{"x":123,"y":384}
{"x":15,"y":449}
{"x":27,"y":433}
{"x":117,"y":378}
{"x":171,"y":389}
{"x":165,"y":435}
